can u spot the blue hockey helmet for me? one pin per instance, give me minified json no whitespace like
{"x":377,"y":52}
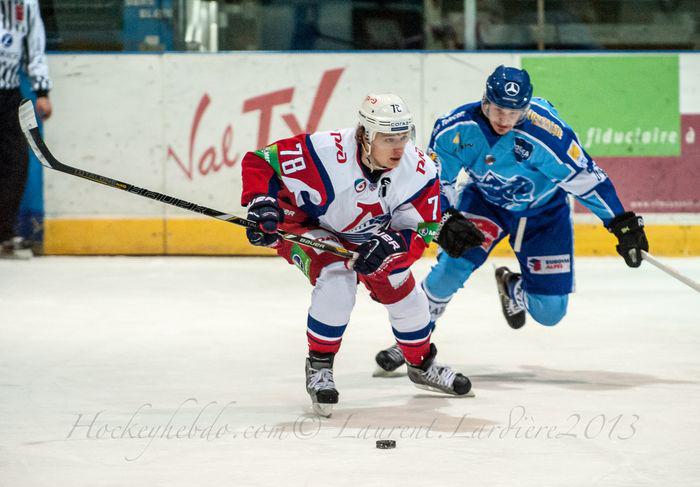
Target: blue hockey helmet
{"x":509,"y":88}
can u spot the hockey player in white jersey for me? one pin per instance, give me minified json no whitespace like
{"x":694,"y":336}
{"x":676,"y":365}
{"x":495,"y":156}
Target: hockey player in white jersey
{"x":370,"y":189}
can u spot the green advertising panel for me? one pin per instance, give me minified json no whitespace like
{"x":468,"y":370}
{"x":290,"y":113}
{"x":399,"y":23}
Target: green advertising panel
{"x":618,"y":105}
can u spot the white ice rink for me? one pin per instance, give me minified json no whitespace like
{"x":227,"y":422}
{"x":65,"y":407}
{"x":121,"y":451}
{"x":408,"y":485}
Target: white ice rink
{"x":189,"y":372}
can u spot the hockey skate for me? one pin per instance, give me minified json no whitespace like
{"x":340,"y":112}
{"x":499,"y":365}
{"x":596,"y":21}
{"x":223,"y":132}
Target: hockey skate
{"x":439,"y":378}
{"x":319,"y":383}
{"x":388,"y":362}
{"x":512,"y":311}
{"x":16,"y":248}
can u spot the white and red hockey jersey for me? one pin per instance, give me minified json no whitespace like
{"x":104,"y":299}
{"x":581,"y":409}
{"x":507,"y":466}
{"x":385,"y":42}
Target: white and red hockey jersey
{"x":320,"y":176}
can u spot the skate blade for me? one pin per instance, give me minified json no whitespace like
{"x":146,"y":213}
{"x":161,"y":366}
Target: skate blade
{"x":440,"y":391}
{"x":379,"y":372}
{"x":324,"y":410}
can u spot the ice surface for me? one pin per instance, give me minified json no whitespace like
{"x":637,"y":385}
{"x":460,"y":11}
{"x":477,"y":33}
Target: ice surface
{"x":184,"y":349}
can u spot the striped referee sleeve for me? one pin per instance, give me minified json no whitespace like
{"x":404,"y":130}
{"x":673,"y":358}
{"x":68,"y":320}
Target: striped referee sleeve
{"x":9,"y":62}
{"x":37,"y":67}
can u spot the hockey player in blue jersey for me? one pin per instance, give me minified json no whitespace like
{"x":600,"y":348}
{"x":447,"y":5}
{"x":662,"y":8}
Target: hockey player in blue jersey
{"x":522,"y":160}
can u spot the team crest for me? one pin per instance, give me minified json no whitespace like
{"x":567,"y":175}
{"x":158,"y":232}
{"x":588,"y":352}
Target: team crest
{"x":6,"y":40}
{"x":360,"y":185}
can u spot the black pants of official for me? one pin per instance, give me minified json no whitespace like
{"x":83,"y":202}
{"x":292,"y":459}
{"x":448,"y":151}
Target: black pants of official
{"x":14,"y":162}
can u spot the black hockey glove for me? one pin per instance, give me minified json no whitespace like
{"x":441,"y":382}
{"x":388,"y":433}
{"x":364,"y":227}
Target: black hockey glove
{"x":457,"y":234}
{"x":629,"y":230}
{"x":378,"y":252}
{"x":264,"y":211}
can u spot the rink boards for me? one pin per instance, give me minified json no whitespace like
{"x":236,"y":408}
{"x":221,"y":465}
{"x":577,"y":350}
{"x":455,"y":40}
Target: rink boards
{"x":180,"y":124}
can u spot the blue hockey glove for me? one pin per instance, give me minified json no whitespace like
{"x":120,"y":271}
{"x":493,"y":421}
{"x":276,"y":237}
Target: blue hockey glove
{"x":378,"y":252}
{"x":457,"y":234}
{"x":629,"y":230}
{"x":264,"y":211}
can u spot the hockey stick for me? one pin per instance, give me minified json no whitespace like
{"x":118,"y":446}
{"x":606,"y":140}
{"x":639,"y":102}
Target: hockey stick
{"x":670,"y":271}
{"x":27,"y":120}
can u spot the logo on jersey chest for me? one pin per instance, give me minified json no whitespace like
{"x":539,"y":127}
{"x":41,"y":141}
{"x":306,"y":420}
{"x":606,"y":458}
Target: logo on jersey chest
{"x":522,"y":149}
{"x":504,"y":191}
{"x":340,"y":155}
{"x":361,"y":185}
{"x":374,"y":211}
{"x":458,"y":141}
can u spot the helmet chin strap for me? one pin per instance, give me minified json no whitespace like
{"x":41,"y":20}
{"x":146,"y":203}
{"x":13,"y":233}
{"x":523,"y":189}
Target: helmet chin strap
{"x":372,"y":164}
{"x":367,"y":158}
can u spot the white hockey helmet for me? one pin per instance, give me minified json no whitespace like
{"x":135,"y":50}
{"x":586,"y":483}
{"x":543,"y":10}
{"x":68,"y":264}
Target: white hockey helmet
{"x":385,"y":113}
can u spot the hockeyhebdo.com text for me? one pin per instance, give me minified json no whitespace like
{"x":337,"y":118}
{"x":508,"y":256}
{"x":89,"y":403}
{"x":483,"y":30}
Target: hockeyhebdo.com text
{"x":148,"y":427}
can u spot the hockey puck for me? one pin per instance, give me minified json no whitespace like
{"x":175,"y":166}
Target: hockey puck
{"x":386,"y":444}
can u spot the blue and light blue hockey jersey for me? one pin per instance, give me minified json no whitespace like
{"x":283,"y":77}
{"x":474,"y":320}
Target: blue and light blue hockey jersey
{"x":528,"y":170}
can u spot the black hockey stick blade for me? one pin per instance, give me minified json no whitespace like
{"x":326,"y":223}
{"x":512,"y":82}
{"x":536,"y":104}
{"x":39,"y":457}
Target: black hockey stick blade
{"x":30,"y":128}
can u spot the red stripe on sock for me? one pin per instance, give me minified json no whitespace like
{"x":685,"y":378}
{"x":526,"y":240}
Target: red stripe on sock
{"x":415,"y":353}
{"x":322,"y":346}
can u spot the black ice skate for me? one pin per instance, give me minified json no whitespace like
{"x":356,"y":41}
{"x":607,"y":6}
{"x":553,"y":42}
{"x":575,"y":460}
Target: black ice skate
{"x":512,"y":311}
{"x":16,"y":248}
{"x":388,"y":362}
{"x":439,"y":378}
{"x":319,"y":383}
